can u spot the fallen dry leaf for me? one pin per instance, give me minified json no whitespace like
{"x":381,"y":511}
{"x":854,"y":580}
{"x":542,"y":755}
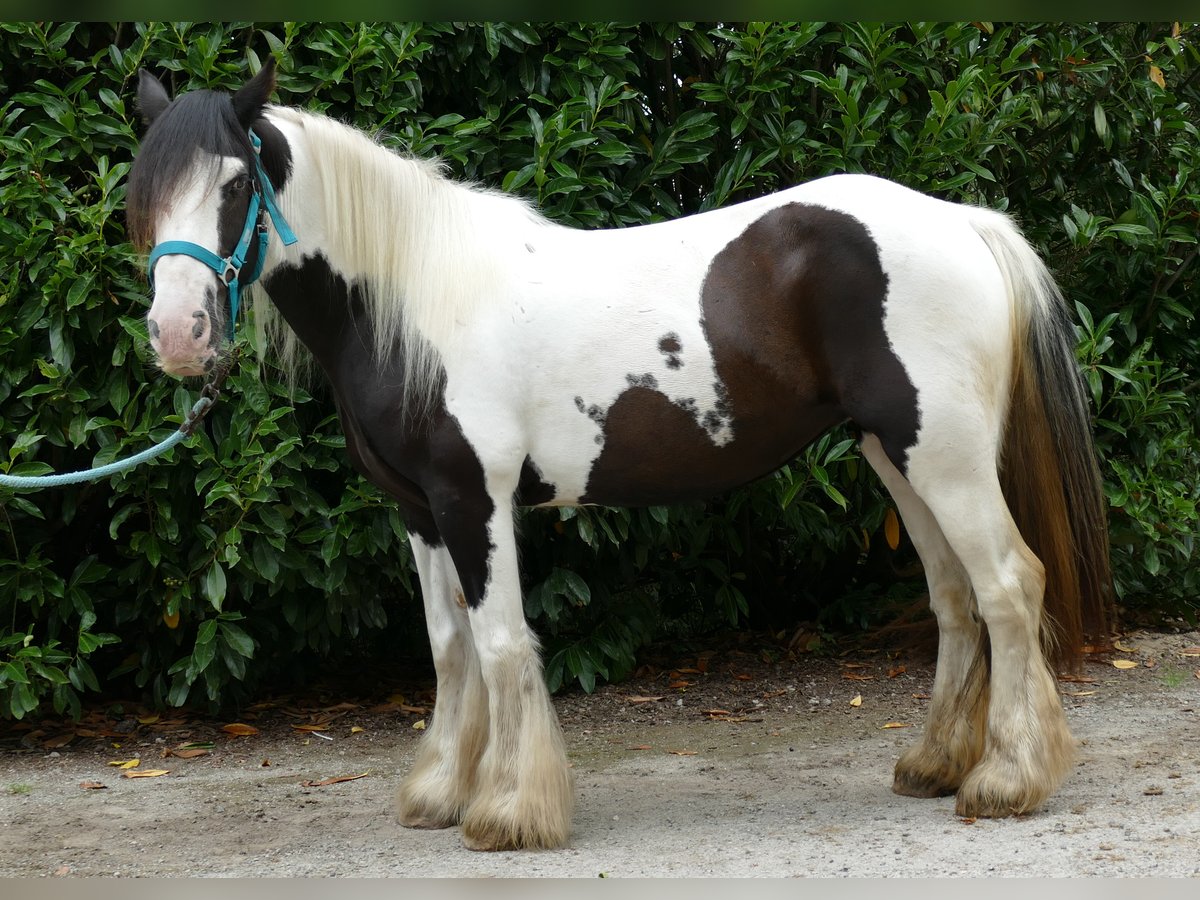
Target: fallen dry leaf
{"x":356,"y":729}
{"x":1124,"y":648}
{"x":679,"y":684}
{"x":682,"y":752}
{"x":1077,"y":679}
{"x":857,"y":701}
{"x":1153,"y":791}
{"x":93,"y":786}
{"x":420,"y":726}
{"x":642,"y":699}
{"x":899,"y":670}
{"x":322,"y":726}
{"x":146,"y":773}
{"x":188,"y":752}
{"x":897,"y":725}
{"x":853,"y":665}
{"x":147,"y":720}
{"x":125,"y":763}
{"x":1124,"y":664}
{"x":338,"y":780}
{"x":58,"y":741}
{"x":853,"y":676}
{"x":1190,"y":651}
{"x":742,"y":676}
{"x":239,"y":729}
{"x":265,"y":762}
{"x":967,"y":820}
{"x":922,"y":696}
{"x":1079,"y":693}
{"x":640,"y":747}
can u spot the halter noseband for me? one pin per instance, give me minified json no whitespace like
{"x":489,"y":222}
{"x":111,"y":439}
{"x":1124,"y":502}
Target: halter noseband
{"x":229,"y":268}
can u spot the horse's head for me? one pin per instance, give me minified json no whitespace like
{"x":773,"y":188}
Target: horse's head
{"x":195,"y":199}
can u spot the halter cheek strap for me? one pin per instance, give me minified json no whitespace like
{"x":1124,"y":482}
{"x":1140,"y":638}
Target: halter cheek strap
{"x":229,"y":268}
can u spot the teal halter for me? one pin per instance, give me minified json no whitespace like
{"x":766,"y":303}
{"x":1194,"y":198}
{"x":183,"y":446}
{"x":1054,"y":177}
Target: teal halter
{"x":229,"y":269}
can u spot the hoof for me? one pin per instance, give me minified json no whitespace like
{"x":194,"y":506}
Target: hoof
{"x":924,"y":774}
{"x":494,"y":835}
{"x":989,"y":794}
{"x":426,"y":811}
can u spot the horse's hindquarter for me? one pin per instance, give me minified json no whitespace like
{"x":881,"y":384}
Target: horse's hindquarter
{"x":669,"y":362}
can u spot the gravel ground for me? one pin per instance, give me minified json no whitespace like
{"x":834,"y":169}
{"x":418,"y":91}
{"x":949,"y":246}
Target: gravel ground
{"x":755,"y":767}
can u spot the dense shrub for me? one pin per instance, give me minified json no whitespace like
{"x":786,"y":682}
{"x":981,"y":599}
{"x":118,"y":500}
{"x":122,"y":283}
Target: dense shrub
{"x":255,"y":548}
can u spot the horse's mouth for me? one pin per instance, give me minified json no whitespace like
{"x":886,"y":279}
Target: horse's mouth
{"x":189,"y":368}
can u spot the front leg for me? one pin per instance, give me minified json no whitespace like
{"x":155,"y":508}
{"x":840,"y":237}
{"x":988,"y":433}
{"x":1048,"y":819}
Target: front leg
{"x":524,"y":794}
{"x":438,"y":789}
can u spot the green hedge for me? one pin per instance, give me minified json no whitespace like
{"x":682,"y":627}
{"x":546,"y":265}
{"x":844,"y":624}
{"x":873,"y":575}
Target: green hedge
{"x":242,"y":558}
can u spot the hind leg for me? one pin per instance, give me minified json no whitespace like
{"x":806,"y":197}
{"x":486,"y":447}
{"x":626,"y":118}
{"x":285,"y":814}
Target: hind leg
{"x":440,"y":785}
{"x":1028,"y":749}
{"x":953,"y":738}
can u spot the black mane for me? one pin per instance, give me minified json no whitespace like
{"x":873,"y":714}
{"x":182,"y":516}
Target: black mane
{"x":197,"y":121}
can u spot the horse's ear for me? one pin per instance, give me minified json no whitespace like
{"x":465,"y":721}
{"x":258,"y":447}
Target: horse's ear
{"x":152,"y":97}
{"x":254,"y":94}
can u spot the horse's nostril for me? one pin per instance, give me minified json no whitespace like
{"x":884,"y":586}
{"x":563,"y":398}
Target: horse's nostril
{"x":153,"y":327}
{"x":198,"y":329}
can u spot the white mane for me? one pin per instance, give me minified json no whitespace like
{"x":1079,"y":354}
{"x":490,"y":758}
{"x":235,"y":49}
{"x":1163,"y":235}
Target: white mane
{"x":429,"y":253}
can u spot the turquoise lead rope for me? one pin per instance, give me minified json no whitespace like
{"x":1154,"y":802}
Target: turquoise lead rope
{"x":37,"y":482}
{"x":209,"y":395}
{"x":229,"y":270}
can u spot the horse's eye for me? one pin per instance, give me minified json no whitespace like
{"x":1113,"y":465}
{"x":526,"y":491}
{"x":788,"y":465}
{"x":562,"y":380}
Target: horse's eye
{"x":238,"y":185}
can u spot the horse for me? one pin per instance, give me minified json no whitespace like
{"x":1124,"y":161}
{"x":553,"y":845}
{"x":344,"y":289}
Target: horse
{"x":483,"y":357}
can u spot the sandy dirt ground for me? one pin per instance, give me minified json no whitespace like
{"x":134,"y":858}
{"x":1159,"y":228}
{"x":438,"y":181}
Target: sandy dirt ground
{"x":752,"y":767}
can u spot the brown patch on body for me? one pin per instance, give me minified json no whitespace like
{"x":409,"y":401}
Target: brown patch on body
{"x":793,"y":312}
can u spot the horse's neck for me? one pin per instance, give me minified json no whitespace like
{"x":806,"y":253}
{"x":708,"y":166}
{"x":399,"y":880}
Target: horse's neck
{"x":427,"y":253}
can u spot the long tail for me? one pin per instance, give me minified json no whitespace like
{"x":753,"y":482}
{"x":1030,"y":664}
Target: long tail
{"x":1048,"y":467}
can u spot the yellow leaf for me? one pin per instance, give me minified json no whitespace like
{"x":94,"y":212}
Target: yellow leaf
{"x":1124,"y":648}
{"x":1079,"y":693}
{"x":147,"y":720}
{"x":891,"y":528}
{"x":125,"y":763}
{"x":1124,"y":664}
{"x":147,"y":773}
{"x":171,"y":620}
{"x":356,"y":729}
{"x":420,"y":725}
{"x":897,"y":725}
{"x":857,"y":701}
{"x":237,"y":729}
{"x":1156,"y":76}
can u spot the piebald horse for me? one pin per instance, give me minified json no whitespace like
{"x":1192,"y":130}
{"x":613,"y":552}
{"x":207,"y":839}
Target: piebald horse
{"x":484,"y":357}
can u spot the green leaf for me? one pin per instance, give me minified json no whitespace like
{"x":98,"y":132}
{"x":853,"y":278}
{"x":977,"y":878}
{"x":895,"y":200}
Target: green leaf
{"x":214,"y":585}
